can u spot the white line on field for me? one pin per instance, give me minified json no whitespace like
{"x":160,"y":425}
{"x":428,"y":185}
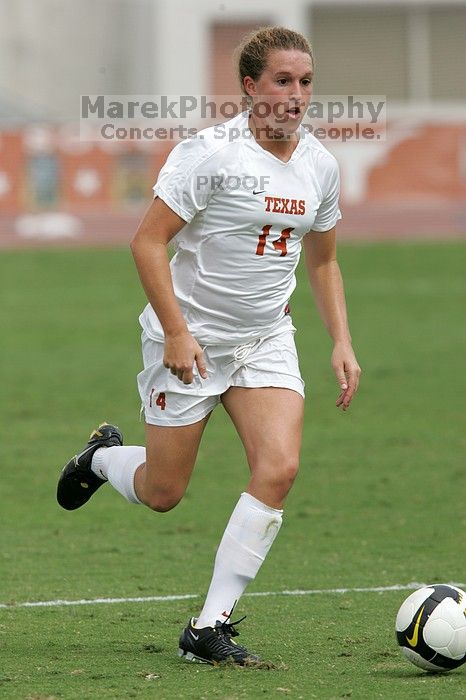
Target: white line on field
{"x":164,"y":598}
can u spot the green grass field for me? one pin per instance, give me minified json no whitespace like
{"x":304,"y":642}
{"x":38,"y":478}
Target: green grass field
{"x":379,"y":500}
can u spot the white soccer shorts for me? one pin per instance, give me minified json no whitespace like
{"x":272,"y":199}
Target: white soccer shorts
{"x":271,"y":361}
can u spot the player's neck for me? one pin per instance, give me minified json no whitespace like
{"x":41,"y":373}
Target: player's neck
{"x":280,"y":146}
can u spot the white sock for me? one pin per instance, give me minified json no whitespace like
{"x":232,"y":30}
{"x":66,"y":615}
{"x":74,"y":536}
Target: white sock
{"x":118,"y":465}
{"x":246,"y":541}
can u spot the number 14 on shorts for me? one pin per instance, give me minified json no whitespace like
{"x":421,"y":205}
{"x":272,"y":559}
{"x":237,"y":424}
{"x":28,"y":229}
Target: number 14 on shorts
{"x":160,"y":400}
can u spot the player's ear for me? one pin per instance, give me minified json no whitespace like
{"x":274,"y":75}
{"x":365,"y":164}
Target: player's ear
{"x":249,"y":85}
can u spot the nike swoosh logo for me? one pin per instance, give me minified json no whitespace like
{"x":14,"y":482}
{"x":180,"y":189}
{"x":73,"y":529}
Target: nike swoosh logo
{"x":413,"y":641}
{"x":258,"y":192}
{"x":194,"y":636}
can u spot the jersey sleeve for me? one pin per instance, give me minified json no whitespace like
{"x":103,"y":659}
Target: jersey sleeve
{"x":328,"y":213}
{"x":184,"y":182}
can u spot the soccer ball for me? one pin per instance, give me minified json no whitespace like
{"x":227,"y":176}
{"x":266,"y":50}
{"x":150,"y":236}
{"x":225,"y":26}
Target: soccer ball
{"x":431,"y":627}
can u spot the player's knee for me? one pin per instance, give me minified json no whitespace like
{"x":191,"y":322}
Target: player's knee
{"x":281,"y":473}
{"x":163,"y":501}
{"x":288,"y":472}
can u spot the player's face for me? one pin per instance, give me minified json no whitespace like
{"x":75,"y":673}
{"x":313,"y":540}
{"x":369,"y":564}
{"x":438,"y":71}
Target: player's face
{"x":282,"y":93}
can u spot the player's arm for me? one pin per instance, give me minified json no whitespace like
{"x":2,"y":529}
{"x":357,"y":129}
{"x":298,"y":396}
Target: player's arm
{"x":327,"y":286}
{"x":149,"y":247}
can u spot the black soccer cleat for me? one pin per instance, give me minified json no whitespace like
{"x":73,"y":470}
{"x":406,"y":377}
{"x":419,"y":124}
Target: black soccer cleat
{"x":77,"y":481}
{"x":213,"y":645}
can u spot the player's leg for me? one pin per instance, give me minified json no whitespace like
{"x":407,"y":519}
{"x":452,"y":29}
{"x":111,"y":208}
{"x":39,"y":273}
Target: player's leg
{"x":161,"y":481}
{"x":269,"y":422}
{"x":156,"y":475}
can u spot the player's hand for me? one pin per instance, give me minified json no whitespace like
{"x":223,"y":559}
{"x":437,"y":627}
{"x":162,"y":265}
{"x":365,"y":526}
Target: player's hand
{"x":180,"y":353}
{"x":347,"y":372}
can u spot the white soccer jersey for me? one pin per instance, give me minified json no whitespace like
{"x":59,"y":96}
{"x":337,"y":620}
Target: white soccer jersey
{"x":246,"y":212}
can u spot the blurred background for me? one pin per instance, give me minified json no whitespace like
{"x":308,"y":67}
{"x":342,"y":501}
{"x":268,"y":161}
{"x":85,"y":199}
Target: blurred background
{"x":56,"y":188}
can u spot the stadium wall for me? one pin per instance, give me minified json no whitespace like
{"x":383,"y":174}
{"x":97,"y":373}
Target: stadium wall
{"x":410,"y":182}
{"x":53,"y":188}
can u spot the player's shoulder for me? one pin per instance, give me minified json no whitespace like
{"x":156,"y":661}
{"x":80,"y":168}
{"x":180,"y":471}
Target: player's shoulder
{"x":212,"y":142}
{"x":319,"y":154}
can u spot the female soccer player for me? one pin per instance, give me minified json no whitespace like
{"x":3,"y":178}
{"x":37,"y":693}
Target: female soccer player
{"x":217,"y":326}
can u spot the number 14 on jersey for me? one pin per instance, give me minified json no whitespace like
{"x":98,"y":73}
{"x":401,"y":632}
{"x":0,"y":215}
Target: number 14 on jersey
{"x":279,"y":244}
